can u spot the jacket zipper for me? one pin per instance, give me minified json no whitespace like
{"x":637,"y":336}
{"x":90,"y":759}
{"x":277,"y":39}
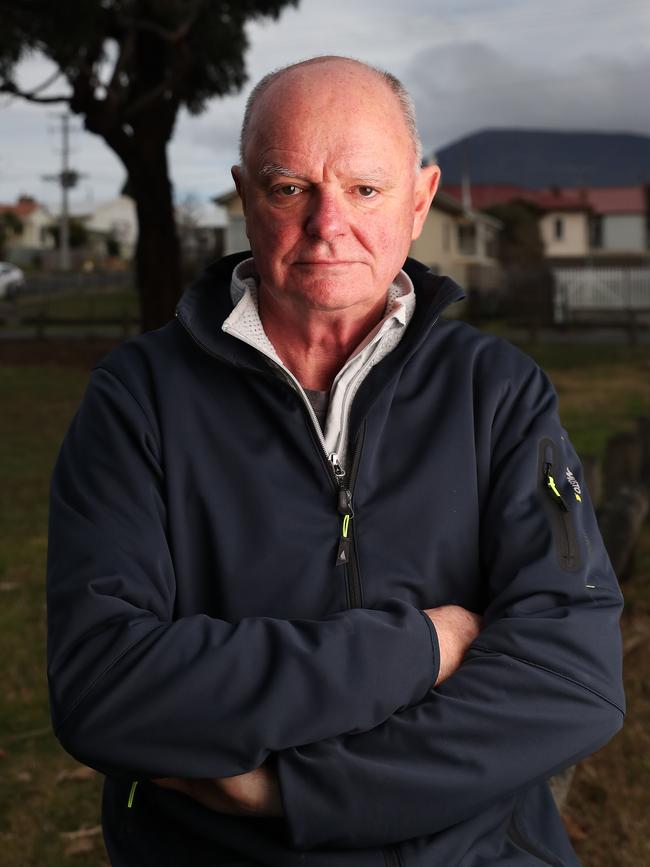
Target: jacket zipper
{"x":344,"y":483}
{"x":567,"y":547}
{"x":346,"y":554}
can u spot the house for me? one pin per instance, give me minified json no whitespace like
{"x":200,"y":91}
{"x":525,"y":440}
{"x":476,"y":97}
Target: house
{"x":113,"y":227}
{"x":580,"y":225}
{"x":201,"y":227}
{"x":235,"y":238}
{"x":596,"y":242}
{"x":458,"y":243}
{"x":35,"y":237}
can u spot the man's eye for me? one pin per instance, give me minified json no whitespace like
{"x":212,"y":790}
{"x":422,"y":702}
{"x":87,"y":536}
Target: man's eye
{"x":288,"y":190}
{"x":367,"y":192}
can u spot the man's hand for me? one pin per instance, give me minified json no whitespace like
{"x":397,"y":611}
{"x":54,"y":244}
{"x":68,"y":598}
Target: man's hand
{"x":456,"y":628}
{"x":256,"y":793}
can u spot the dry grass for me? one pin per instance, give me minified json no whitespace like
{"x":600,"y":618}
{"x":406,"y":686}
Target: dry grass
{"x":608,"y":810}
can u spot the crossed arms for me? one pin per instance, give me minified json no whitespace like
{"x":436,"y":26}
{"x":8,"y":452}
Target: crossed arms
{"x":257,"y":792}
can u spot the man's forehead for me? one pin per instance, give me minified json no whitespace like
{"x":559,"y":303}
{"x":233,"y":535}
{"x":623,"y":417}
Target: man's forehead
{"x":345,"y":145}
{"x":329,"y":113}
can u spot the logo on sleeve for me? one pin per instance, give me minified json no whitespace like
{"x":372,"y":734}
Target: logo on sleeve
{"x":571,"y":479}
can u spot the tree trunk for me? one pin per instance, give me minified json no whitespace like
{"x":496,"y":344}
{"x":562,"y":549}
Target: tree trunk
{"x":620,"y":521}
{"x":158,"y":261}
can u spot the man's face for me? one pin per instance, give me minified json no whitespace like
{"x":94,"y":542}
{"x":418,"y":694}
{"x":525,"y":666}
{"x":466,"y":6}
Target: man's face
{"x":331,"y":197}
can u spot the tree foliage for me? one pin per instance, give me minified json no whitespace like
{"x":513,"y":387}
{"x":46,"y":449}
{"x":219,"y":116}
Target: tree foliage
{"x":11,"y":226}
{"x":127,"y":67}
{"x":520,"y":241}
{"x":528,"y":279}
{"x":78,"y":234}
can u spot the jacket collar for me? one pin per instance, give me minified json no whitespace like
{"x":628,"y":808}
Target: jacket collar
{"x":207,"y":303}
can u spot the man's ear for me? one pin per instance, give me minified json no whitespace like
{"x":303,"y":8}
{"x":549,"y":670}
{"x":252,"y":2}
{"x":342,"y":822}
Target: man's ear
{"x":237,"y":176}
{"x":426,"y":185}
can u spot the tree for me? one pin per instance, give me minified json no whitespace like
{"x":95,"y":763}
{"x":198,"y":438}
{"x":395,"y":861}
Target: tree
{"x":520,"y":241}
{"x":10,"y":227}
{"x":128,"y":67}
{"x":78,"y":233}
{"x":529,"y":280}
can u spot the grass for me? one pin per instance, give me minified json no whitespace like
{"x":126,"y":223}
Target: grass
{"x":38,"y":799}
{"x":608,"y":809}
{"x":44,"y":794}
{"x":107,"y":311}
{"x":76,"y":305}
{"x":602,"y":390}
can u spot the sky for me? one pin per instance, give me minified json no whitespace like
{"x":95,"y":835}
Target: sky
{"x":469,"y":64}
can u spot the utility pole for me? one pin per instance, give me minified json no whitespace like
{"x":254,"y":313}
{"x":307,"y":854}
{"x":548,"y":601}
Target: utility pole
{"x":65,"y":186}
{"x":66,"y":178}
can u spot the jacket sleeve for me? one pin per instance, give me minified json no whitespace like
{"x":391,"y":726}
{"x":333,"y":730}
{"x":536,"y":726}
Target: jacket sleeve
{"x":134,"y":690}
{"x":539,"y":689}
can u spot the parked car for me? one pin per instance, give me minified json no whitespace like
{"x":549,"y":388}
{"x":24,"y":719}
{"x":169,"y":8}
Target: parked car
{"x":12,"y":280}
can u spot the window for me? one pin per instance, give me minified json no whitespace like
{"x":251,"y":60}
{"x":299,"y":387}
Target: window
{"x":596,"y":232}
{"x":558,"y":228}
{"x":467,"y":239}
{"x":491,"y":245}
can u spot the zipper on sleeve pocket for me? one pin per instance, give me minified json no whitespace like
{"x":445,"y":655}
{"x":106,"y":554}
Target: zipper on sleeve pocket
{"x":129,"y":803}
{"x":560,"y":514}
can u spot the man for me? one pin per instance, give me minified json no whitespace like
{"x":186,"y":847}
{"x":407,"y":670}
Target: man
{"x":276,"y":523}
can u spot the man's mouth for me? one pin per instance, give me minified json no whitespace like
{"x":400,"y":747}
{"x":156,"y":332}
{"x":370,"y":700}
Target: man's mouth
{"x":324,"y":262}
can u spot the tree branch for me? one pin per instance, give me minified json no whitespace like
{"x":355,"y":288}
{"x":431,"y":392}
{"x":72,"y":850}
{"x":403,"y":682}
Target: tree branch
{"x":146,"y":100}
{"x":46,"y":83}
{"x":171,"y":36}
{"x":120,"y":64}
{"x":10,"y":88}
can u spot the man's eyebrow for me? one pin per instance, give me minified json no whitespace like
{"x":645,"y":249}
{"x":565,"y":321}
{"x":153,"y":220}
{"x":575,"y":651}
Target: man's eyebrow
{"x":376,"y":178}
{"x":275,"y":169}
{"x":373,"y":177}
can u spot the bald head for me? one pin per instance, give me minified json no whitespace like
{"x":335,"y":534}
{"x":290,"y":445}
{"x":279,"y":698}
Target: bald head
{"x":357,"y":73}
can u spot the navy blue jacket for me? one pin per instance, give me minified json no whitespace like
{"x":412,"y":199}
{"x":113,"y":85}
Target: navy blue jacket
{"x":199,"y":623}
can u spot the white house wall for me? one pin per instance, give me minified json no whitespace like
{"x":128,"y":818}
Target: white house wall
{"x":35,"y":234}
{"x":116,"y":219}
{"x":575,"y":234}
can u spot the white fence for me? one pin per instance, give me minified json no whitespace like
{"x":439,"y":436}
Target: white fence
{"x":618,"y":294}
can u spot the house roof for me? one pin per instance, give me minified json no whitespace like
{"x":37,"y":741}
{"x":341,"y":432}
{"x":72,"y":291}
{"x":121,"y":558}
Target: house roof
{"x":226,"y":198}
{"x":485,"y":195}
{"x":617,"y":200}
{"x":22,"y":208}
{"x":598,"y":200}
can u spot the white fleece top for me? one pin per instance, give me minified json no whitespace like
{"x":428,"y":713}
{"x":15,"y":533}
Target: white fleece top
{"x":245,"y":324}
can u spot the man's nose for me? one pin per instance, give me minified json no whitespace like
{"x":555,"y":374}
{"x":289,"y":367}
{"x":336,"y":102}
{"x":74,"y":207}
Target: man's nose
{"x":326,"y":217}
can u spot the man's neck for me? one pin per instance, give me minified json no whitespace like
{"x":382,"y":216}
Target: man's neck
{"x":315,"y":344}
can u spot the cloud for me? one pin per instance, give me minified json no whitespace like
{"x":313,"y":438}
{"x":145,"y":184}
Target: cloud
{"x":465,"y":87}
